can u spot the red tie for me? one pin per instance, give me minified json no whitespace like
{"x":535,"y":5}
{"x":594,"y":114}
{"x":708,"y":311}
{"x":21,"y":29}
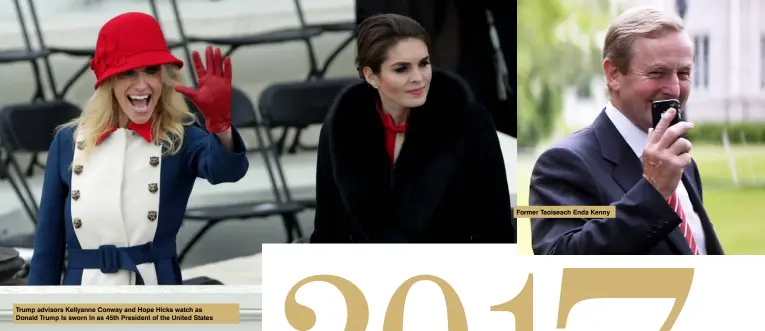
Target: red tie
{"x":674,"y":202}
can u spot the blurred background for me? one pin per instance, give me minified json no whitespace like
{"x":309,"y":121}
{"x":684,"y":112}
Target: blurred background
{"x":561,"y":90}
{"x":284,"y":45}
{"x":70,"y":28}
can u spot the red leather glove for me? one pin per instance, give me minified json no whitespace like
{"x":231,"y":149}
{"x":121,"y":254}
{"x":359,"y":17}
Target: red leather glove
{"x":213,"y":98}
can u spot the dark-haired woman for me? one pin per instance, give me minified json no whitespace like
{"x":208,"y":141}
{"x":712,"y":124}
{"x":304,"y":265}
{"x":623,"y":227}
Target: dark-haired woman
{"x":407,"y":156}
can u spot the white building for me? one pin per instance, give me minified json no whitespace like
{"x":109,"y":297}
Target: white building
{"x":729,"y":69}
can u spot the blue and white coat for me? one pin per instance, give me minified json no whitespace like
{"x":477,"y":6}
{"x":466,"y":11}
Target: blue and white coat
{"x":113,"y":216}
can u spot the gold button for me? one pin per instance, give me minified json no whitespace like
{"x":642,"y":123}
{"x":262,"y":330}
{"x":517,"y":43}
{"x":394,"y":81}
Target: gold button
{"x":152,"y":216}
{"x":77,"y":169}
{"x":154,"y":161}
{"x":81,"y":145}
{"x":153,"y":187}
{"x":77,"y":223}
{"x":76,"y":195}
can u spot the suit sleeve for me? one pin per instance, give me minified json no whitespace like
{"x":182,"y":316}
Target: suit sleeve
{"x":562,"y":178}
{"x":331,"y":224}
{"x":494,"y":219}
{"x":209,"y":159}
{"x":50,"y":235}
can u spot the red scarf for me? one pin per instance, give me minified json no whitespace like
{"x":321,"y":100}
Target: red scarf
{"x":391,"y":129}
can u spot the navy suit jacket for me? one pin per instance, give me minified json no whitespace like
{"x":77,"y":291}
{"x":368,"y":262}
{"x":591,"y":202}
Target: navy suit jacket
{"x":70,"y":244}
{"x":596,"y":167}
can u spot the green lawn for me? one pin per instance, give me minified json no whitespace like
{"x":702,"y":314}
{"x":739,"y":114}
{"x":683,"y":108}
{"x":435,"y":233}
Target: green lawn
{"x":735,"y":210}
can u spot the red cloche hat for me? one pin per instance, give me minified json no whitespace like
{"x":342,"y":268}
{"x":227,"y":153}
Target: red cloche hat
{"x":130,"y":41}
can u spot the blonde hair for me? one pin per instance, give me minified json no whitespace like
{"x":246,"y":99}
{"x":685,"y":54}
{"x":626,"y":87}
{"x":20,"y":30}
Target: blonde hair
{"x":102,"y":112}
{"x":634,"y":23}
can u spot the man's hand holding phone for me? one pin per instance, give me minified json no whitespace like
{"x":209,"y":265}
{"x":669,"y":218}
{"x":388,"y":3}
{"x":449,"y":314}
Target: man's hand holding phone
{"x":667,"y":154}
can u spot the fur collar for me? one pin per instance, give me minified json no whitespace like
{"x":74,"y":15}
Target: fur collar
{"x":361,"y":170}
{"x":354,"y":116}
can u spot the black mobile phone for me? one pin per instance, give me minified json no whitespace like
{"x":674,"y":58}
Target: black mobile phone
{"x":659,"y":107}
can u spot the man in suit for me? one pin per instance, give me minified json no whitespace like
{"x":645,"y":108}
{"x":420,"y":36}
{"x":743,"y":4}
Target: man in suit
{"x":621,"y":160}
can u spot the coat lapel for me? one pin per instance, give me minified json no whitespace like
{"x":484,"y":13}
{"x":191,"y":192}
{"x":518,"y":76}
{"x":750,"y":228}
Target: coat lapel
{"x":627,"y":169}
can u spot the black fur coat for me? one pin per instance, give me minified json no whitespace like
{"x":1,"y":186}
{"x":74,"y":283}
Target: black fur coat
{"x":448,"y":184}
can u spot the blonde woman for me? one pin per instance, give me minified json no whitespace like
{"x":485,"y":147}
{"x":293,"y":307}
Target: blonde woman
{"x":118,"y":179}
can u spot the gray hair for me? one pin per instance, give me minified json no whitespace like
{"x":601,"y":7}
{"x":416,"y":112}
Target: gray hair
{"x":635,"y":23}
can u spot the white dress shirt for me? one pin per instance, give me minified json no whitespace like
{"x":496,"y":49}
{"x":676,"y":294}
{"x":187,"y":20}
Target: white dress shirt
{"x":637,"y":139}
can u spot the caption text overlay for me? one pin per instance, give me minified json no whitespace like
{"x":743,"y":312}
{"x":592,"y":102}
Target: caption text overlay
{"x":564,"y":212}
{"x":152,"y":313}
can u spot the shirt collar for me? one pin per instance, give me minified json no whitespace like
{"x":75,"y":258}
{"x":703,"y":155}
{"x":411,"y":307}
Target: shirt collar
{"x":634,"y":136}
{"x":144,"y":130}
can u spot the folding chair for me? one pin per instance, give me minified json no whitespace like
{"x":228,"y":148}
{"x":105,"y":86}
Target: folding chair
{"x":87,"y":52}
{"x":303,"y":32}
{"x":319,"y":72}
{"x":271,"y":37}
{"x":316,"y":71}
{"x":243,"y":114}
{"x":298,"y":105}
{"x":30,"y":128}
{"x":26,"y":54}
{"x":31,"y":55}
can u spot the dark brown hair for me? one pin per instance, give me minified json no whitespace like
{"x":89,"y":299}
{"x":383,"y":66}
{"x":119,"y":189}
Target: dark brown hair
{"x":378,"y":33}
